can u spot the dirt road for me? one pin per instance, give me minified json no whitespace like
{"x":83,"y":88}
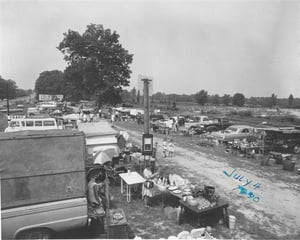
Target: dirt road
{"x":265,"y":207}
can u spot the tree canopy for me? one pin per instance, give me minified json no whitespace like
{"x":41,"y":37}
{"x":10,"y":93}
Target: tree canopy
{"x":201,"y":97}
{"x":238,"y":99}
{"x":50,"y":82}
{"x":98,"y":65}
{"x":8,"y":88}
{"x":291,"y":99}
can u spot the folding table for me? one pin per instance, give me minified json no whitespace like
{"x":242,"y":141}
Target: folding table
{"x":130,"y":179}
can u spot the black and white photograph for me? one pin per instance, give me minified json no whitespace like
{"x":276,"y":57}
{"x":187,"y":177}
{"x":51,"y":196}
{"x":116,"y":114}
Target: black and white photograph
{"x":150,"y":119}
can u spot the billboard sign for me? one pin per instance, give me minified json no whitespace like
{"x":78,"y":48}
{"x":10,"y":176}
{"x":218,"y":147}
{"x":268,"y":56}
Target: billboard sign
{"x":49,"y":97}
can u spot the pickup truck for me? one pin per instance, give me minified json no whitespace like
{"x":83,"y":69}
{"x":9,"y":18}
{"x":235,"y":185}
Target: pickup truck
{"x":197,"y":121}
{"x":43,"y":183}
{"x":197,"y":125}
{"x":218,"y":124}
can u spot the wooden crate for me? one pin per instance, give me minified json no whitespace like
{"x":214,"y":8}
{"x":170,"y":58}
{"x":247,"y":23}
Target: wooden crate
{"x":117,"y":229}
{"x":288,"y":165}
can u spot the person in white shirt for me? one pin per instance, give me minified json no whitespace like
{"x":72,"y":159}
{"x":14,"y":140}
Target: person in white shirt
{"x":147,"y":190}
{"x":171,"y":148}
{"x":165,"y":148}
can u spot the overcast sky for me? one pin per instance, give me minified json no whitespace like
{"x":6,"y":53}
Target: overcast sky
{"x":222,"y":46}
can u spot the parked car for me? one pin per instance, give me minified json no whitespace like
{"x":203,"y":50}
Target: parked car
{"x":197,"y":121}
{"x":235,"y":132}
{"x":285,"y":140}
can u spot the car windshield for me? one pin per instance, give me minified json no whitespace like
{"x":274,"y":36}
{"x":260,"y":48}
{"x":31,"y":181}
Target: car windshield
{"x":230,"y":130}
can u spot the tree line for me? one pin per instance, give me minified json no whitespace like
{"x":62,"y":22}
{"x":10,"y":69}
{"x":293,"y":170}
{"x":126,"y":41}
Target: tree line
{"x":203,"y":98}
{"x":10,"y":90}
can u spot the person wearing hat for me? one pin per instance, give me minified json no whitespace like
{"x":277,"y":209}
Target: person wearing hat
{"x":95,"y":203}
{"x":95,"y":190}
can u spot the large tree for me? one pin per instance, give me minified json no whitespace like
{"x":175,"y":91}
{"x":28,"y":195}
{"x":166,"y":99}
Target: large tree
{"x":201,"y":97}
{"x":215,"y":99}
{"x":49,"y":82}
{"x":273,"y":100}
{"x":238,"y":99}
{"x":98,"y":65}
{"x":291,"y":100}
{"x":133,"y":95}
{"x":226,"y":98}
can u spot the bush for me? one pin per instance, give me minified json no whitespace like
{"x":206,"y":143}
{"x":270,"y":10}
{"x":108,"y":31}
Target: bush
{"x":232,"y":112}
{"x":245,"y":113}
{"x":286,"y":119}
{"x":214,"y":111}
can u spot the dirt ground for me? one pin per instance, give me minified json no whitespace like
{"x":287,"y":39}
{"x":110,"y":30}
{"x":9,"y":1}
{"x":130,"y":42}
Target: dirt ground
{"x":269,"y":210}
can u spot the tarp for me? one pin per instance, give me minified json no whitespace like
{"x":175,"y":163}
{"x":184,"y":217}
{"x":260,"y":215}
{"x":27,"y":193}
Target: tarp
{"x":72,"y":116}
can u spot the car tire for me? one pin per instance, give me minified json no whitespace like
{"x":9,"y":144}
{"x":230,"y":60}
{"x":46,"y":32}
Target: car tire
{"x":296,"y":149}
{"x":40,"y":233}
{"x":211,"y":129}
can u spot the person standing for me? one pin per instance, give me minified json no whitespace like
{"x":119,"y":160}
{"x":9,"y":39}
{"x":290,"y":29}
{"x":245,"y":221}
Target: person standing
{"x":153,"y":157}
{"x":112,"y":118}
{"x":165,"y":148}
{"x":147,"y":189}
{"x":171,"y":148}
{"x":95,"y":204}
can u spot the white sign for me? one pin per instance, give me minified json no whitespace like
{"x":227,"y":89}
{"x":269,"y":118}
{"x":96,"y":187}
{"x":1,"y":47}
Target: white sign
{"x":49,"y":97}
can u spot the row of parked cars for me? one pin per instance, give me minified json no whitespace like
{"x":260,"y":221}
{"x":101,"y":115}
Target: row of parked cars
{"x":286,"y":139}
{"x":277,"y":139}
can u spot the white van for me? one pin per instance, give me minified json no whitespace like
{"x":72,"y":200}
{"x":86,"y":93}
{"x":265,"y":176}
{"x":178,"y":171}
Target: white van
{"x":31,"y":124}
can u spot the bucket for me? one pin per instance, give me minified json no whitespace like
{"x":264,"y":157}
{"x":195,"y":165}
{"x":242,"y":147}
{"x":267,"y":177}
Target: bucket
{"x":232,"y":220}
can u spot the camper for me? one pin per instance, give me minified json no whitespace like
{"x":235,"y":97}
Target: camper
{"x":43,"y":183}
{"x":100,"y":136}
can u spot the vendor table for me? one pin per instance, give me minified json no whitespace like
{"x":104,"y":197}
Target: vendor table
{"x":204,"y":216}
{"x":248,"y":150}
{"x":130,"y":179}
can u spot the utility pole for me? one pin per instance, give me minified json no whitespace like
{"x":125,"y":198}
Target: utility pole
{"x":7,"y":101}
{"x":146,"y":105}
